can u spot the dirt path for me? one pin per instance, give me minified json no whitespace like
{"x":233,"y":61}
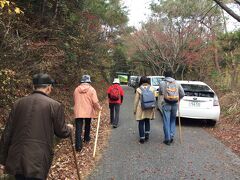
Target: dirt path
{"x":200,"y":156}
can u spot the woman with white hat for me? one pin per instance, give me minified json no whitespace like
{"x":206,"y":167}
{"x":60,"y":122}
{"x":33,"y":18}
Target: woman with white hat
{"x":115,"y":97}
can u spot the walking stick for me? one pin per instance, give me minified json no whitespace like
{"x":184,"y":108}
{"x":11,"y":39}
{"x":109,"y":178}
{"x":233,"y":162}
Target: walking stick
{"x":75,"y":158}
{"x":95,"y":145}
{"x":179,"y":122}
{"x":74,"y":152}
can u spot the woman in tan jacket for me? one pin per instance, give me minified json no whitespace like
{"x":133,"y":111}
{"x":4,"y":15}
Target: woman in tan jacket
{"x":143,"y":116}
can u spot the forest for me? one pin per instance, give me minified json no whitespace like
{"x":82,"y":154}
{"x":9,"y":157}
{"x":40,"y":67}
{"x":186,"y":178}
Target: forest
{"x":67,"y":39}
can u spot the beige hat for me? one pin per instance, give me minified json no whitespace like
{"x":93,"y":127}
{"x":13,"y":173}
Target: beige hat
{"x":116,"y":81}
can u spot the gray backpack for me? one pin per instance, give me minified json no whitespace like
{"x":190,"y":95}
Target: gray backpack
{"x":148,"y":100}
{"x":171,"y":94}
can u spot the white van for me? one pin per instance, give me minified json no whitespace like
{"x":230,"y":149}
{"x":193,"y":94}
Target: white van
{"x":155,"y":81}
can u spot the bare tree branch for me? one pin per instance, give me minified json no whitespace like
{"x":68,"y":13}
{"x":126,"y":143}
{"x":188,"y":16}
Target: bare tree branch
{"x":237,"y":1}
{"x":227,"y":9}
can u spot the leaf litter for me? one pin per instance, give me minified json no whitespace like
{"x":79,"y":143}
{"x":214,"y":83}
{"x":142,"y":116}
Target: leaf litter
{"x":63,"y":166}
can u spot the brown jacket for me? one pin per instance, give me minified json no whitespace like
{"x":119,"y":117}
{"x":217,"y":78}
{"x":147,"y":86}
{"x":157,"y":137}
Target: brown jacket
{"x":138,"y":111}
{"x":86,"y":104}
{"x":26,"y":146}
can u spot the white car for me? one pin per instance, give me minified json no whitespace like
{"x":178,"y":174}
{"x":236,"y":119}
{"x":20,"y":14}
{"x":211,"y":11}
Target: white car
{"x":199,"y":102}
{"x":155,"y":81}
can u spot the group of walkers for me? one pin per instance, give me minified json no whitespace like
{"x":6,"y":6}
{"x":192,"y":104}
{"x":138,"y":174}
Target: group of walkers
{"x":26,"y":145}
{"x":172,"y":92}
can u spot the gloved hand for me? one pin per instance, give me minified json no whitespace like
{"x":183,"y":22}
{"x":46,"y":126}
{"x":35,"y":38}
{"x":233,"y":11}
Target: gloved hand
{"x":70,"y":126}
{"x":2,"y":169}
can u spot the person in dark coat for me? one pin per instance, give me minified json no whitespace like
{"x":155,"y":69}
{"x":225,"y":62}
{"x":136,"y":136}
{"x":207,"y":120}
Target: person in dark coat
{"x":26,"y":145}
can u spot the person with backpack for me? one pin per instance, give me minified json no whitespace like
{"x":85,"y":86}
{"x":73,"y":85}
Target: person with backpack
{"x":144,"y":108}
{"x":115,"y":97}
{"x":172,"y":92}
{"x":26,"y":146}
{"x":86,"y":106}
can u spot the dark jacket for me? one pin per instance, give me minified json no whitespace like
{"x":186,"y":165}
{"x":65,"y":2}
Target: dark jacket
{"x":26,"y":146}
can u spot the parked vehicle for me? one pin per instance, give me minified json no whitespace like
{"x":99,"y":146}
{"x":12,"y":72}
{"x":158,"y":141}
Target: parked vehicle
{"x":155,"y":81}
{"x":199,"y":102}
{"x":136,"y":83}
{"x":132,"y":81}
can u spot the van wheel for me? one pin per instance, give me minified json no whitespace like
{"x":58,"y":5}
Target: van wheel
{"x":211,"y":123}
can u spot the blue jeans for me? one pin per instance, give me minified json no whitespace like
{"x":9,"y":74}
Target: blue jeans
{"x":114,"y":113}
{"x":142,"y":130}
{"x":169,"y":120}
{"x":78,"y":132}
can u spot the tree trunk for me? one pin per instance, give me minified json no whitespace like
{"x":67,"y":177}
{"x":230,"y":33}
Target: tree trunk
{"x":216,"y":58}
{"x":224,"y":22}
{"x":43,"y":7}
{"x":182,"y":72}
{"x":215,"y":47}
{"x":56,"y":10}
{"x":233,"y":72}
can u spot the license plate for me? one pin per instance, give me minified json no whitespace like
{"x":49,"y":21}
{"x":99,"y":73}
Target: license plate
{"x":194,"y":104}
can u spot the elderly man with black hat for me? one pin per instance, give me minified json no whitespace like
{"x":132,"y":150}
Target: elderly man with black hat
{"x":26,"y":146}
{"x":86,"y":107}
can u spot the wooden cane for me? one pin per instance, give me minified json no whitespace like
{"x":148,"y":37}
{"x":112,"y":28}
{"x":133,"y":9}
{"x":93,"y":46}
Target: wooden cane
{"x":179,"y":122}
{"x":75,"y":158}
{"x":98,"y":124}
{"x":74,"y":151}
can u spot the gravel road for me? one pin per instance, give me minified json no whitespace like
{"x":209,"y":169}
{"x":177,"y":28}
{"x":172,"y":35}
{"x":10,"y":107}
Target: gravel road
{"x":200,"y":156}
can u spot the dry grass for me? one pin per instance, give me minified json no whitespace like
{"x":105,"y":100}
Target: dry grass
{"x":228,"y":128}
{"x":231,"y":106}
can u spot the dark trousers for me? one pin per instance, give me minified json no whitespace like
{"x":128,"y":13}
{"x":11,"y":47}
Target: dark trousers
{"x":143,"y":127}
{"x":114,"y":113}
{"x":78,"y":132}
{"x":22,"y":177}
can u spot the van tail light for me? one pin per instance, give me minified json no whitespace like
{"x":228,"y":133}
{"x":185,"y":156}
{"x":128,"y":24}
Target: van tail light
{"x":215,"y":101}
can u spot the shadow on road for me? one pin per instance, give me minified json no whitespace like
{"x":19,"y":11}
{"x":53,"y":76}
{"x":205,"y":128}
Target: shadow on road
{"x":194,"y":122}
{"x":191,"y":122}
